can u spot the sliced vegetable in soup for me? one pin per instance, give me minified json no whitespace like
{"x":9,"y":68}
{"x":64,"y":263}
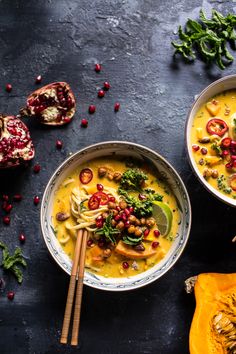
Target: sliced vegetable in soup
{"x":213,"y":139}
{"x":131,"y":215}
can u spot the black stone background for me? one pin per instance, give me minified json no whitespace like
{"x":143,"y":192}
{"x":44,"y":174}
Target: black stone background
{"x":61,"y":40}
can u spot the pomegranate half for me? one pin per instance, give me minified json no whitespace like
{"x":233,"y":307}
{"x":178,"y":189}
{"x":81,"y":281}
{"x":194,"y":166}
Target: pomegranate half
{"x":53,"y":104}
{"x":16,"y":145}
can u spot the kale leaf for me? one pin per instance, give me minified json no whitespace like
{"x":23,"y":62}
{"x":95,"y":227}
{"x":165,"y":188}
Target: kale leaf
{"x":11,"y":262}
{"x":133,"y":179}
{"x":108,"y":230}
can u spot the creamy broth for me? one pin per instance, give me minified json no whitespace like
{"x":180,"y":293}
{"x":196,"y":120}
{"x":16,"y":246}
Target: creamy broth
{"x":215,"y":155}
{"x":113,"y":265}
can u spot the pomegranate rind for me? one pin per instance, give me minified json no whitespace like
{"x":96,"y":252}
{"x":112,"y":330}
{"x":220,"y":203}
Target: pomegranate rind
{"x":55,"y":112}
{"x":16,"y":146}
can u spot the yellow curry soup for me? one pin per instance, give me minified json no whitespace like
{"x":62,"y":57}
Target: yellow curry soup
{"x":213,"y":139}
{"x":133,"y":252}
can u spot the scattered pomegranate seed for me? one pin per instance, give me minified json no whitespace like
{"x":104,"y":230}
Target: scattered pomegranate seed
{"x":17,"y":197}
{"x":234,"y":163}
{"x":101,"y":93}
{"x":101,"y":244}
{"x":127,"y":223}
{"x":22,"y":238}
{"x":233,"y":157}
{"x":203,"y":151}
{"x":98,"y":68}
{"x":125,"y":265}
{"x":10,"y":295}
{"x":59,"y":144}
{"x":84,"y":123}
{"x":5,"y":197}
{"x":8,"y":208}
{"x":116,"y":107}
{"x":6,"y":220}
{"x":66,"y":119}
{"x":127,"y":212}
{"x":155,"y":244}
{"x":117,"y":218}
{"x":100,"y":187}
{"x":118,"y":208}
{"x":233,"y":144}
{"x":38,"y":79}
{"x":123,"y":217}
{"x":112,"y":199}
{"x":157,"y":233}
{"x":229,"y":165}
{"x":106,"y":85}
{"x":8,"y":87}
{"x":92,"y":109}
{"x":131,"y":209}
{"x":146,"y":233}
{"x":195,"y":147}
{"x":225,"y":152}
{"x":37,"y":168}
{"x":89,"y":242}
{"x":36,"y":200}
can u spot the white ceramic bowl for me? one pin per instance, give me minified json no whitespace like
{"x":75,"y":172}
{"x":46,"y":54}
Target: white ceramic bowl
{"x":223,"y":84}
{"x":164,"y":169}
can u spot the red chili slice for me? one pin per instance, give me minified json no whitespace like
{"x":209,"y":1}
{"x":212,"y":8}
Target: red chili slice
{"x":217,"y":126}
{"x":103,"y":197}
{"x":226,"y":142}
{"x":232,"y":182}
{"x":86,"y":175}
{"x":93,"y":202}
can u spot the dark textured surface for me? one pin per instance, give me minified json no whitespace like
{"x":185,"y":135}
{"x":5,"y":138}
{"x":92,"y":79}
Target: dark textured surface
{"x":61,"y":40}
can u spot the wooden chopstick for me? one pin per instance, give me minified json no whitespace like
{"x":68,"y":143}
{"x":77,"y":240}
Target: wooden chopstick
{"x":82,"y":235}
{"x":79,"y":293}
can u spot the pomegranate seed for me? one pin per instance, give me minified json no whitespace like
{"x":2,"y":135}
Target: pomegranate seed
{"x":4,"y":205}
{"x":112,"y":199}
{"x":118,"y":208}
{"x":225,"y":152}
{"x":10,"y":295}
{"x":89,"y":242}
{"x":100,"y":187}
{"x":66,"y":119}
{"x":36,"y":199}
{"x":123,"y":216}
{"x":17,"y":197}
{"x":155,"y":244}
{"x":92,"y":109}
{"x":125,"y":265}
{"x":8,"y":208}
{"x":101,"y":93}
{"x":127,"y":223}
{"x":142,"y":196}
{"x":157,"y":233}
{"x":98,"y":68}
{"x":38,"y":79}
{"x":8,"y":87}
{"x":5,"y":197}
{"x":127,"y":212}
{"x":203,"y":151}
{"x":37,"y":168}
{"x":106,"y":85}
{"x":22,"y":238}
{"x":99,"y":218}
{"x":195,"y":147}
{"x":117,"y":218}
{"x":233,"y":157}
{"x":116,"y":107}
{"x":146,"y":233}
{"x":6,"y":220}
{"x":101,"y":244}
{"x":84,"y":123}
{"x":234,"y":164}
{"x":229,"y":165}
{"x":131,"y":209}
{"x":233,"y":144}
{"x":59,"y":144}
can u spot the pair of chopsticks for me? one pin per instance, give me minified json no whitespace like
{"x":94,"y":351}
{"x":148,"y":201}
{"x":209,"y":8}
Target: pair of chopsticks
{"x":77,"y":272}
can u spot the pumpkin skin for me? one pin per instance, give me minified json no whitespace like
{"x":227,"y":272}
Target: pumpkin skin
{"x":215,"y":309}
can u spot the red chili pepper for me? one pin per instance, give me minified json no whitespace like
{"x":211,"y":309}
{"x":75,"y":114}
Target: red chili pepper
{"x":86,"y":175}
{"x":232,"y":182}
{"x":93,"y":202}
{"x":217,"y":126}
{"x":103,"y":197}
{"x":226,"y":142}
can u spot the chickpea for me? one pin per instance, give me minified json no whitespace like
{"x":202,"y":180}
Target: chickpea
{"x":110,"y":176}
{"x":131,"y":229}
{"x":132,"y":219}
{"x":115,"y":212}
{"x":117,"y":176}
{"x":113,"y":223}
{"x":102,"y":171}
{"x":105,"y":215}
{"x":111,"y":205}
{"x":138,"y":231}
{"x":123,"y":204}
{"x":150,"y":222}
{"x":137,"y":222}
{"x":143,"y":221}
{"x":214,"y":174}
{"x":207,"y":173}
{"x":120,"y":225}
{"x":107,"y":253}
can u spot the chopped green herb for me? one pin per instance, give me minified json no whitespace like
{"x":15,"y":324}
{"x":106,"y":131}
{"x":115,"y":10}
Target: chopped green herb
{"x":216,"y":148}
{"x":82,"y":206}
{"x":11,"y":262}
{"x":234,"y":125}
{"x":132,"y":241}
{"x":133,"y":179}
{"x":108,"y":230}
{"x":221,"y":182}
